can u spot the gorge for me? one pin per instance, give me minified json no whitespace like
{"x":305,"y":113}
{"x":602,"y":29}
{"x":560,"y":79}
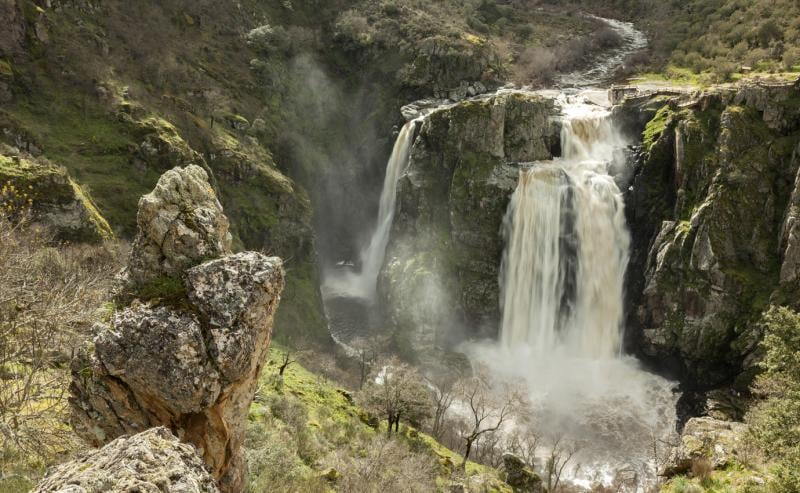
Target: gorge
{"x":379,"y":246}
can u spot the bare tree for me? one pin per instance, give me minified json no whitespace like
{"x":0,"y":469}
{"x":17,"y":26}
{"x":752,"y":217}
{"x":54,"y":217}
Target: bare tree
{"x":443,"y":389}
{"x":561,"y":454}
{"x":487,"y":410}
{"x":368,"y":350}
{"x":396,"y":392}
{"x":524,"y":444}
{"x":50,"y":296}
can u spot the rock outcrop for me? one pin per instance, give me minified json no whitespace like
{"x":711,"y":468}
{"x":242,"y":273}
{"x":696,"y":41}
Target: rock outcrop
{"x":186,"y":358}
{"x":713,"y":216}
{"x":154,"y":460}
{"x":442,"y":263}
{"x":707,"y":439}
{"x":180,"y":223}
{"x":53,"y":198}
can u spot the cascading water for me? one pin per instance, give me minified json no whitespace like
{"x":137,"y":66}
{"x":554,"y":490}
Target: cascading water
{"x":562,"y":300}
{"x":362,"y":284}
{"x":567,"y":246}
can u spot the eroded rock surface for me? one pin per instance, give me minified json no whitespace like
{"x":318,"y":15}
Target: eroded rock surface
{"x":188,"y":360}
{"x":713,"y":216}
{"x":152,"y":461}
{"x":180,"y":224}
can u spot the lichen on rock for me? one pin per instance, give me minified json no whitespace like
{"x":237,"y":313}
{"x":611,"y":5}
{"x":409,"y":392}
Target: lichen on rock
{"x":180,"y":224}
{"x":154,"y":460}
{"x":446,"y":243}
{"x":711,"y":212}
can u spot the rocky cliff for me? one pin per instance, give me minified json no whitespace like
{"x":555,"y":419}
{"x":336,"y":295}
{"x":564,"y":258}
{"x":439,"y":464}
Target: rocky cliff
{"x":713,"y":211}
{"x":446,"y":245}
{"x":188,"y":338}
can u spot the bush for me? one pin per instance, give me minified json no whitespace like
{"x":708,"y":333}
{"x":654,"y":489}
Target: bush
{"x":50,"y":296}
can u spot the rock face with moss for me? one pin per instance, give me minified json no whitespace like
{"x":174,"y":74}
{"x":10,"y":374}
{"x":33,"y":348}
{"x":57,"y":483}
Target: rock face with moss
{"x":187,"y":350}
{"x":154,"y":460}
{"x":53,"y":198}
{"x":713,"y":217}
{"x":446,"y":243}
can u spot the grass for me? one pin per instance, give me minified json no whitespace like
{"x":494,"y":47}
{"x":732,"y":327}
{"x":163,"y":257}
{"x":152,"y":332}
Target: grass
{"x":332,"y":418}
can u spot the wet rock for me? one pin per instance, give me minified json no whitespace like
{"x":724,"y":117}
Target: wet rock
{"x":190,"y":363}
{"x":180,"y":223}
{"x":154,"y":460}
{"x":444,"y":254}
{"x":718,"y":442}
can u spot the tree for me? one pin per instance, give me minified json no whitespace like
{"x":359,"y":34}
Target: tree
{"x":396,"y":392}
{"x":487,"y":410}
{"x":50,"y":296}
{"x":775,"y":421}
{"x":443,"y":389}
{"x":560,"y":455}
{"x":368,"y":350}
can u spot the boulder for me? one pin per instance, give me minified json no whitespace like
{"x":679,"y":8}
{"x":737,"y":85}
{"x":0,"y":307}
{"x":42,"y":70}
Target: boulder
{"x":180,"y":224}
{"x":152,"y":461}
{"x":52,"y":197}
{"x":188,"y":361}
{"x":718,"y":442}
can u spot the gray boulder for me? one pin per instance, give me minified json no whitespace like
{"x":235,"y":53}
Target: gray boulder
{"x":180,"y":223}
{"x":153,"y":461}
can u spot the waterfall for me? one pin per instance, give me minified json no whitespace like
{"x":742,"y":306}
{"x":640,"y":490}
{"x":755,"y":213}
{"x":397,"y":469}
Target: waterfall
{"x":363,"y":284}
{"x":567,"y":244}
{"x":562,"y":302}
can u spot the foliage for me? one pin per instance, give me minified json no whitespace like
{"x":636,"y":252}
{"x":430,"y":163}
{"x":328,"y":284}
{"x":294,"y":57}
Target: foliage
{"x":306,"y":434}
{"x":775,"y":422}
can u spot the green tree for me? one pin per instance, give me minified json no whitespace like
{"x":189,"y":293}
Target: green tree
{"x":775,"y":421}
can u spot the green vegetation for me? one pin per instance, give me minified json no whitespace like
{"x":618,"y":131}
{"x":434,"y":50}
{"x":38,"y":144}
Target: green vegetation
{"x":307,"y":434}
{"x":775,"y":422}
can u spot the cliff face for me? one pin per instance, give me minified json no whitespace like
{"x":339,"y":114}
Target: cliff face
{"x":186,"y":346}
{"x":444,"y":255}
{"x":714,"y":220}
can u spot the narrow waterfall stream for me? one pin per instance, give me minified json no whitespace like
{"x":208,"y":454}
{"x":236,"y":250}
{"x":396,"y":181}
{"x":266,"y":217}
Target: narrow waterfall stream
{"x":349,"y":291}
{"x":562,"y":299}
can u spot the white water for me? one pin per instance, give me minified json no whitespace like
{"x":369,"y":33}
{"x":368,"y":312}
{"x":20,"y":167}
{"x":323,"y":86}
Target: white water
{"x":562,"y":283}
{"x":363,"y":284}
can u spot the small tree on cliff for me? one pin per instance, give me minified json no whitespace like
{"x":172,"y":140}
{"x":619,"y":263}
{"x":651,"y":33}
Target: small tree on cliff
{"x":396,"y":391}
{"x":488,"y":409}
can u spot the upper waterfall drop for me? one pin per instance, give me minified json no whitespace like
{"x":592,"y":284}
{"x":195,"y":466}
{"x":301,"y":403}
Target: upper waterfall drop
{"x":562,"y":275}
{"x":363,"y":284}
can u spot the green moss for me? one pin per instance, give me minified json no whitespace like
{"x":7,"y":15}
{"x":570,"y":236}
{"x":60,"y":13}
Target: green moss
{"x":166,"y":289}
{"x":656,"y":127}
{"x":5,"y":70}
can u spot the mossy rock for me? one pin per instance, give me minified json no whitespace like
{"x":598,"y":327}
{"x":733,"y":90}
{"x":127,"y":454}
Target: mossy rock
{"x":53,"y":198}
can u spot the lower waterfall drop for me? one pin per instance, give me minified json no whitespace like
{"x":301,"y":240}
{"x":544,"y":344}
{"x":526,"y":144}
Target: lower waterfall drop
{"x":562,"y":303}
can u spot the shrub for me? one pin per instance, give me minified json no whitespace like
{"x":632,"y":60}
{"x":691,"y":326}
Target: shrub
{"x":50,"y":296}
